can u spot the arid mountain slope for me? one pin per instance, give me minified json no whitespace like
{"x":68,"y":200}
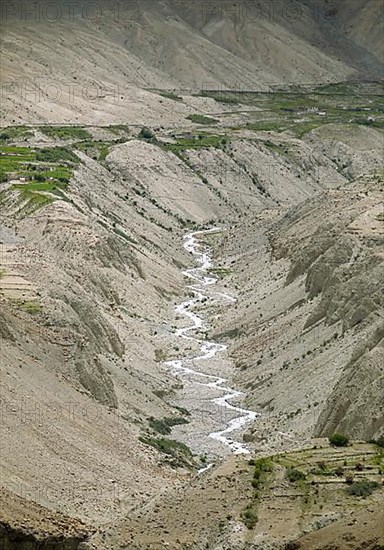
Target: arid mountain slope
{"x":307,"y":331}
{"x":56,"y":61}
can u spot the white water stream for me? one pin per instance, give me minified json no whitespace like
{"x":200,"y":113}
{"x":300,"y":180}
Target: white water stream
{"x":201,"y":280}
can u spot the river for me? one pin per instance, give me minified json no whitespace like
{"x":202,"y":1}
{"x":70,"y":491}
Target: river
{"x":195,"y":370}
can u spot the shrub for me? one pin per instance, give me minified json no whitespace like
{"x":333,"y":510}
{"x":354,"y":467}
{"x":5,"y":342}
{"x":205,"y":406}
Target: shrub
{"x":362,"y":488}
{"x":250,"y":518}
{"x":339,"y":440}
{"x":146,"y":133}
{"x":295,"y":475}
{"x":339,"y":471}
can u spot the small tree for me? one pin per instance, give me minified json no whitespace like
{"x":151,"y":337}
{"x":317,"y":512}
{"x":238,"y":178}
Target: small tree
{"x":339,"y":440}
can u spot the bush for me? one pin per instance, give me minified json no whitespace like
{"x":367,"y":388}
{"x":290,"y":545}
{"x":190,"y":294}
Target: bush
{"x":339,"y":440}
{"x":146,"y":133}
{"x":295,"y":475}
{"x":250,"y":518}
{"x":362,"y":488}
{"x":339,"y":471}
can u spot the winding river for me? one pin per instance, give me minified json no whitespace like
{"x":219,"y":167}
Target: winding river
{"x":201,"y":280}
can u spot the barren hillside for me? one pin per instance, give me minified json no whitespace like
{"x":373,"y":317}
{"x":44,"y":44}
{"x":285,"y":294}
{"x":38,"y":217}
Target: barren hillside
{"x":65,"y":63}
{"x":191,"y":266}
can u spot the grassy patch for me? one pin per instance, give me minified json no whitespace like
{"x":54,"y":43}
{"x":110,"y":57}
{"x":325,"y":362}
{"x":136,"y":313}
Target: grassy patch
{"x":11,"y":157}
{"x":31,"y":306}
{"x":202,"y":119}
{"x":267,"y":126}
{"x":98,"y":150}
{"x":15,"y":132}
{"x":279,"y":148}
{"x":66,"y":132}
{"x":164,"y":426}
{"x":179,"y":452}
{"x":201,"y":141}
{"x":220,"y":271}
{"x":249,"y":516}
{"x":170,"y":95}
{"x":33,"y":202}
{"x":42,"y":186}
{"x":56,"y":154}
{"x":119,"y":128}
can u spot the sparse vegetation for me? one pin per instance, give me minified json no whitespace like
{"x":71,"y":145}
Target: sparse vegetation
{"x":180,"y":453}
{"x":164,"y":426}
{"x":15,"y":132}
{"x":119,"y":128}
{"x":29,"y":306}
{"x":200,"y":141}
{"x":262,"y":467}
{"x":160,"y":355}
{"x":57,"y":154}
{"x":294,"y":475}
{"x":362,"y":488}
{"x":66,"y":132}
{"x":249,"y":517}
{"x":98,"y":150}
{"x":202,"y":119}
{"x":379,"y":442}
{"x":220,"y":271}
{"x":171,"y":95}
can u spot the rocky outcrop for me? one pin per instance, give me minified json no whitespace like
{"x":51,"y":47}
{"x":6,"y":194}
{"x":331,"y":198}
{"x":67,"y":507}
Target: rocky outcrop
{"x":355,"y":406}
{"x":25,"y":525}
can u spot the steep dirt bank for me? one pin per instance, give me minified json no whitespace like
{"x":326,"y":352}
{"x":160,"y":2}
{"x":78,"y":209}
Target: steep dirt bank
{"x":26,"y":526}
{"x":307,"y":330}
